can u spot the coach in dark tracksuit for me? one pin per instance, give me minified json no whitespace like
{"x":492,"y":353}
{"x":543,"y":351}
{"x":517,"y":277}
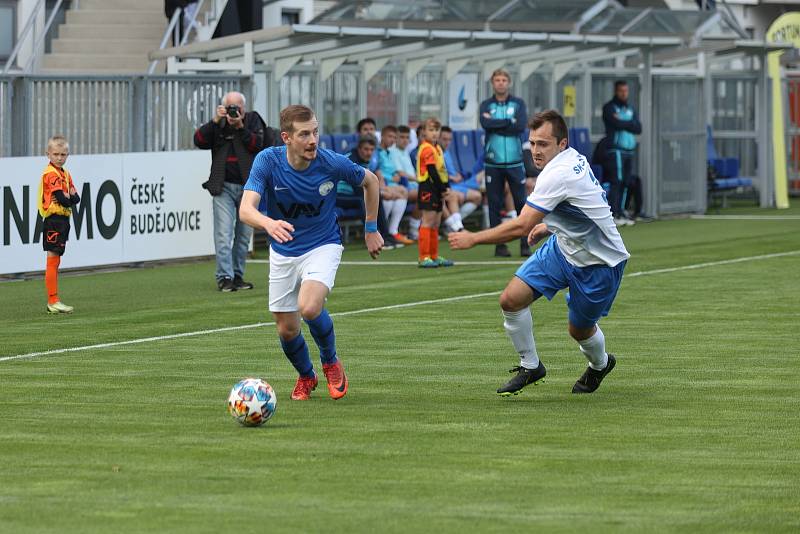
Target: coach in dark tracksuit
{"x":622,"y":125}
{"x":504,"y":117}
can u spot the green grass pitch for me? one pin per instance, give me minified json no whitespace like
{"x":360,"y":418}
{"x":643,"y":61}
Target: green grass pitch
{"x":697,"y":429}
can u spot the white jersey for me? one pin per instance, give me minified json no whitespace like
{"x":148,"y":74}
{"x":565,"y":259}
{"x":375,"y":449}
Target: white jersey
{"x":577,"y":211}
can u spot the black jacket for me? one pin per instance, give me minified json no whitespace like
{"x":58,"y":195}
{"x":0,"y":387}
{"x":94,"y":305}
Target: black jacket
{"x":232,"y":150}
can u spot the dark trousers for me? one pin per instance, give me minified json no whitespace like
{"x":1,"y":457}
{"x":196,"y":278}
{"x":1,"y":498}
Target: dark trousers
{"x":496,"y":179}
{"x":619,"y":166}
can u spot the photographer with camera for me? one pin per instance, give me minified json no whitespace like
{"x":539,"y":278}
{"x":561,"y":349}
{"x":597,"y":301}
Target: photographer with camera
{"x":234,"y":137}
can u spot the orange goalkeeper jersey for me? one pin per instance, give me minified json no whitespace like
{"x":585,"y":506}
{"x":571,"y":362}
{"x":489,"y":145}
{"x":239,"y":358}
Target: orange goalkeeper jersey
{"x":429,"y":154}
{"x":54,"y":179}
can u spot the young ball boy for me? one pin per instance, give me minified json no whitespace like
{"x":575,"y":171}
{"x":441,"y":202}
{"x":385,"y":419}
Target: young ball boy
{"x":433,"y":192}
{"x":57,"y":195}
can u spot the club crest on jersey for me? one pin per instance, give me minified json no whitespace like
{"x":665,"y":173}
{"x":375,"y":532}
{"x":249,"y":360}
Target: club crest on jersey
{"x":326,"y":188}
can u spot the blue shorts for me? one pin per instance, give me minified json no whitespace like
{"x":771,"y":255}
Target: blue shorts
{"x":591,"y":289}
{"x":460,"y":187}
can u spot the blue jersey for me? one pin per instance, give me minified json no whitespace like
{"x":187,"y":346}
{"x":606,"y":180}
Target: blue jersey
{"x":306,"y":199}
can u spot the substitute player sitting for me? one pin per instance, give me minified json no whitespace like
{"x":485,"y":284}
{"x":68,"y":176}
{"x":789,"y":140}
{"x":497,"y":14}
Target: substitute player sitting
{"x":585,"y":254}
{"x":299,"y":182}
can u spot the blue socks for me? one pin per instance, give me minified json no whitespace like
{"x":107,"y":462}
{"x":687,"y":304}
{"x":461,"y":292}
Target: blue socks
{"x":297,"y":351}
{"x":322,"y":332}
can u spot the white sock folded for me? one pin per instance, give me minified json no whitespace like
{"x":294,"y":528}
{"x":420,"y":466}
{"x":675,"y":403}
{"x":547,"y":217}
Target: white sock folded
{"x":467,"y":209}
{"x":519,"y":327}
{"x":594,"y":348}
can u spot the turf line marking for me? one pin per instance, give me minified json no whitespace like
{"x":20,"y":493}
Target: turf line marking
{"x":240,"y":327}
{"x":375,"y":309}
{"x":713,"y":263}
{"x":746,"y":217}
{"x":395,"y":262}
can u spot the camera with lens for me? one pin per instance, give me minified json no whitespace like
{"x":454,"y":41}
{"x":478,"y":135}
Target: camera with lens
{"x":232,"y":111}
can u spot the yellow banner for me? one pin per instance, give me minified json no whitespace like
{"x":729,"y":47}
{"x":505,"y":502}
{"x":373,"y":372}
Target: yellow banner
{"x":786,"y":28}
{"x":569,"y":101}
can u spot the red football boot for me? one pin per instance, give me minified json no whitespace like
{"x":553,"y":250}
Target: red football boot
{"x":303,"y":388}
{"x":337,"y":380}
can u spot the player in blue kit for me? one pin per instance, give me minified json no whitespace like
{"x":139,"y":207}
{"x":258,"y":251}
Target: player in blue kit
{"x":585,"y":254}
{"x":299,"y":183}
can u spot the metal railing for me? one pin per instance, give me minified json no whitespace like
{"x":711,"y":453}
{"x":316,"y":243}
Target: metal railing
{"x":6,"y":90}
{"x":108,"y":114}
{"x":37,"y":49}
{"x":173,"y":31}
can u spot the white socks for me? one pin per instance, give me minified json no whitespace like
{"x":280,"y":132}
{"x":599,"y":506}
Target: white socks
{"x":467,"y":209}
{"x":485,"y":209}
{"x":594,"y":349}
{"x":413,"y":227}
{"x":453,"y":222}
{"x":395,"y":209}
{"x":519,"y":327}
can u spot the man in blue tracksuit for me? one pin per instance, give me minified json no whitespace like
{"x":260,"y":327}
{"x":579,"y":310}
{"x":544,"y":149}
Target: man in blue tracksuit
{"x":622,"y":125}
{"x":504,"y":117}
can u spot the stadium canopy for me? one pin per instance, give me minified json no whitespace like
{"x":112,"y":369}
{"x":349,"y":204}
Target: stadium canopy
{"x":461,"y":32}
{"x":550,"y":46}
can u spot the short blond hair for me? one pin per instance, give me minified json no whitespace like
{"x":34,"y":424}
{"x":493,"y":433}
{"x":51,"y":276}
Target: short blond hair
{"x":432,"y":122}
{"x":57,"y":140}
{"x":292,"y":114}
{"x":501,"y":72}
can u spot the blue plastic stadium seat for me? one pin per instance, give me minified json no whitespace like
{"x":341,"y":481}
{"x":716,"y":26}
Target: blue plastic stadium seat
{"x":580,"y":140}
{"x":480,"y":138}
{"x":454,"y":156}
{"x":344,"y":143}
{"x":326,"y":141}
{"x":466,"y":149}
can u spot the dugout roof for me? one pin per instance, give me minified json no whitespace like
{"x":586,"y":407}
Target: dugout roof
{"x":488,"y":33}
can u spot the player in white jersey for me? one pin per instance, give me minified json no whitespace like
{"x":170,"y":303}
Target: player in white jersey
{"x":298,"y":182}
{"x":585,"y":253}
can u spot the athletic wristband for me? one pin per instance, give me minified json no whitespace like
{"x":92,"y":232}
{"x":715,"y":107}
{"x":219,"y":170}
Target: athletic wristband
{"x":371,"y":226}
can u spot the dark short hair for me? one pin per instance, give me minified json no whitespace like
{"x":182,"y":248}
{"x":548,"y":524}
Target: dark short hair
{"x":619,"y":83}
{"x":389,"y":128}
{"x":403,"y":129}
{"x":294,"y":113}
{"x":447,"y":129}
{"x":365,"y":120}
{"x":367,"y":139}
{"x":555,"y":119}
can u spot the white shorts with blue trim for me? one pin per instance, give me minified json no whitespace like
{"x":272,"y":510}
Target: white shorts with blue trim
{"x":287,"y":273}
{"x":592,"y":289}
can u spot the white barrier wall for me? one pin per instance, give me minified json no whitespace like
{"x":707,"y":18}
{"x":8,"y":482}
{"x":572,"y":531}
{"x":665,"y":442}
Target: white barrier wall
{"x":134,"y":207}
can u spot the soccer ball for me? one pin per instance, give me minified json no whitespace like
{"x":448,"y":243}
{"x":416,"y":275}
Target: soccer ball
{"x":252,"y":402}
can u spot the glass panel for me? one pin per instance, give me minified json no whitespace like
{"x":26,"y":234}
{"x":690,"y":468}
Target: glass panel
{"x":340,"y":103}
{"x":425,"y":97}
{"x":383,"y":94}
{"x":6,"y":31}
{"x":603,"y":91}
{"x":536,"y":93}
{"x":296,"y":88}
{"x":734,"y":104}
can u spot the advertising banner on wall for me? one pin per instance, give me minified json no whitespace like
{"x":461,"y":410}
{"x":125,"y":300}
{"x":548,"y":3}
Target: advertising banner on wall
{"x":134,"y":207}
{"x":463,"y":98}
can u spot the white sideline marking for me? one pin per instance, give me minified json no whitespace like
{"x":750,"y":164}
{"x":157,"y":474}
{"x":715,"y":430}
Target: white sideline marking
{"x":713,"y":263}
{"x":375,"y":309}
{"x":747,"y":217}
{"x":395,"y":262}
{"x":241,"y":327}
